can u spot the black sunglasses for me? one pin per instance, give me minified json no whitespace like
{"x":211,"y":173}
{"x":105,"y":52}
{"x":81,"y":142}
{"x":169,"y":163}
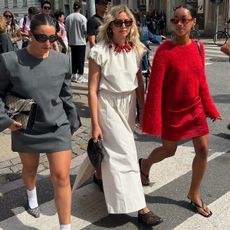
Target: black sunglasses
{"x":119,"y":23}
{"x":43,"y":38}
{"x":46,"y":7}
{"x":183,"y":20}
{"x":8,"y":16}
{"x":103,"y":3}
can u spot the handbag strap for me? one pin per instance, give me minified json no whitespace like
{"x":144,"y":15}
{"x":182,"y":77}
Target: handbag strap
{"x":198,"y":46}
{"x":199,"y":50}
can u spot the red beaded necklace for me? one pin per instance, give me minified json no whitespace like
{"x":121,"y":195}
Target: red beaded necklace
{"x":127,"y":47}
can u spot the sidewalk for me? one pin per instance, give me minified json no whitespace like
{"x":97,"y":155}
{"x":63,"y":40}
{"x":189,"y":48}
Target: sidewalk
{"x":10,"y":164}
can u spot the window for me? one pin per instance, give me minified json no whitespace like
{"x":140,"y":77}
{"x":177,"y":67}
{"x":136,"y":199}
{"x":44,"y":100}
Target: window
{"x":6,"y":3}
{"x":24,"y":3}
{"x":15,"y":3}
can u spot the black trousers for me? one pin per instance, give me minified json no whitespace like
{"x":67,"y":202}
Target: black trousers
{"x":78,"y":59}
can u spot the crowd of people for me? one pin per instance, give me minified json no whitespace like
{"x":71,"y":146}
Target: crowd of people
{"x":171,"y":108}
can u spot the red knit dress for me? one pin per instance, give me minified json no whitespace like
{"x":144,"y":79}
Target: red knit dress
{"x":178,"y":99}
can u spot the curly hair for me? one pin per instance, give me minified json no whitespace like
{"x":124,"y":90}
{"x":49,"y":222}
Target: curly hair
{"x":105,"y":34}
{"x":2,"y":25}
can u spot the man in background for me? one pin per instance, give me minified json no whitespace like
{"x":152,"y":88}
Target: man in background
{"x":24,"y":25}
{"x":76,"y":33}
{"x":46,"y":8}
{"x":96,"y":20}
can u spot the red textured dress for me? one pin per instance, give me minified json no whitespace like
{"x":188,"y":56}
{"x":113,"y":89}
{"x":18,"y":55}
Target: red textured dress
{"x":178,"y":99}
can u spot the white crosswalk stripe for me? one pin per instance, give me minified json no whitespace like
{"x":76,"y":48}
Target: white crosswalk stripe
{"x":89,"y":205}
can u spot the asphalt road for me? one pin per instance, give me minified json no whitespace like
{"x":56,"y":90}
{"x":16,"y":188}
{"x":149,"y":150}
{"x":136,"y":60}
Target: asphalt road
{"x":170,"y":181}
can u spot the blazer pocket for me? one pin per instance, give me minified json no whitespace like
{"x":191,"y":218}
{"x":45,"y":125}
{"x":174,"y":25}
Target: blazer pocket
{"x":62,"y":120}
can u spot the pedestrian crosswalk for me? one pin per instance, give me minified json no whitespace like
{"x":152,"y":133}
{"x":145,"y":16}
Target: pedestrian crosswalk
{"x":166,"y":195}
{"x":213,"y":54}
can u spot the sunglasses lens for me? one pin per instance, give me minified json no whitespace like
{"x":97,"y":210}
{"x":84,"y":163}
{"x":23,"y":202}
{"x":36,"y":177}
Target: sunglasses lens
{"x":118,"y":23}
{"x":46,"y":8}
{"x":104,"y":2}
{"x":174,"y":21}
{"x":128,"y":23}
{"x":8,"y":16}
{"x":184,"y":20}
{"x":41,"y":37}
{"x":53,"y":38}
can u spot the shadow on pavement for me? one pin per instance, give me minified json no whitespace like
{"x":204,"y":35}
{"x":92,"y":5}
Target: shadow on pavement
{"x":117,"y":220}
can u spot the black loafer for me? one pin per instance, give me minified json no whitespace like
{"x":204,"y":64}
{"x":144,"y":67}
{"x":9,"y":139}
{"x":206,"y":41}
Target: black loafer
{"x":149,"y":219}
{"x":98,"y":182}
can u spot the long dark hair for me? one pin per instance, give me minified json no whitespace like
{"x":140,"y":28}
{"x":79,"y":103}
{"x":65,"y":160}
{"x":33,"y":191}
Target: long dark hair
{"x":13,"y":29}
{"x":40,"y":20}
{"x":189,"y":7}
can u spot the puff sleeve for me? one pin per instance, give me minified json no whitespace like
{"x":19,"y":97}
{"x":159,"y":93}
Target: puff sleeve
{"x":96,"y":54}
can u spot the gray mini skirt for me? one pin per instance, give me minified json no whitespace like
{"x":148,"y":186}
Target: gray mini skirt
{"x":55,"y":140}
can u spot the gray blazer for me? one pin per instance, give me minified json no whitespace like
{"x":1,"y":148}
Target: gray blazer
{"x":44,"y":80}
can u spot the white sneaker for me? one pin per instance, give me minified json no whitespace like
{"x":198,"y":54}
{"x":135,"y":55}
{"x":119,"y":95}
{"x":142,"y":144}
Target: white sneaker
{"x":74,"y":77}
{"x":81,"y":79}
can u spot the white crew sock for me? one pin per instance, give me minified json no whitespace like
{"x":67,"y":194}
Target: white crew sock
{"x":32,"y":198}
{"x":65,"y":227}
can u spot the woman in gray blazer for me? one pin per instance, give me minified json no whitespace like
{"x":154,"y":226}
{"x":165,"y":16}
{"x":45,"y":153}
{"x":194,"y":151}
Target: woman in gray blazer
{"x":42,"y":74}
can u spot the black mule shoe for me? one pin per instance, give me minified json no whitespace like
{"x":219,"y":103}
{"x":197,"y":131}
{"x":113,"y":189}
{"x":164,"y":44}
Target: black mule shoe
{"x":149,"y":219}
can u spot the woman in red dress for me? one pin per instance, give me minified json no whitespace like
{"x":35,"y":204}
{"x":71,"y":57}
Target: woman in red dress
{"x":178,"y":101}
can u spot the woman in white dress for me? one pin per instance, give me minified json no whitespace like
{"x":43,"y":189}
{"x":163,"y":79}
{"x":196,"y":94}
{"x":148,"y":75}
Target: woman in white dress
{"x":114,"y":82}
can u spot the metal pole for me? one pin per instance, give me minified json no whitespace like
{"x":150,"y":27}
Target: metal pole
{"x":90,"y":8}
{"x":217,"y":16}
{"x":217,"y":19}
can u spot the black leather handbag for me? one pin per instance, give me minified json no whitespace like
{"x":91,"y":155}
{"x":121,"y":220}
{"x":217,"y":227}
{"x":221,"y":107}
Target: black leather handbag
{"x":95,"y":152}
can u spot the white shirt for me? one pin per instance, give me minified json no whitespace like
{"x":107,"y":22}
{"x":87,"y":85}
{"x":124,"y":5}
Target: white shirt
{"x":118,"y":70}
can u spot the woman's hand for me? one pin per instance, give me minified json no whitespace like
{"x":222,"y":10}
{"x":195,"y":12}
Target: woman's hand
{"x":97,"y":133}
{"x":216,"y":118}
{"x":15,"y":126}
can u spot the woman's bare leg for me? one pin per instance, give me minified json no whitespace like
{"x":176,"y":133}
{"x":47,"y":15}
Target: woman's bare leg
{"x":30,"y":163}
{"x":199,"y":166}
{"x":60,"y":175}
{"x":167,"y":149}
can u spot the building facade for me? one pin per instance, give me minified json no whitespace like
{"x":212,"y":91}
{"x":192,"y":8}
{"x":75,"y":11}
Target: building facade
{"x":207,"y":11}
{"x":18,"y":7}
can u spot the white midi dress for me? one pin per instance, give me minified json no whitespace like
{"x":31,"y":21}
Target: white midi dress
{"x":116,"y":111}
